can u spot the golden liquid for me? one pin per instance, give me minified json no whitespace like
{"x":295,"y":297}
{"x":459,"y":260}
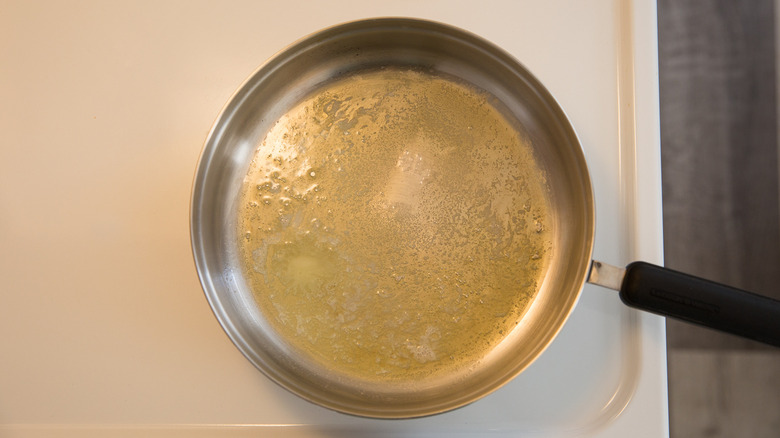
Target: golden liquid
{"x":394,"y":226}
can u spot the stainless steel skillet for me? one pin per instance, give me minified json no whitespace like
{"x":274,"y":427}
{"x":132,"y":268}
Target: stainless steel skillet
{"x":351,"y":49}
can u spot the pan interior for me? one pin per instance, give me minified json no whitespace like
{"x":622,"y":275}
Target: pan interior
{"x":392,"y":218}
{"x":394,"y":226}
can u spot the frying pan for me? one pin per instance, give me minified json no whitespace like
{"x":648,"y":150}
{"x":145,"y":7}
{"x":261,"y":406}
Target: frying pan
{"x":302,"y":70}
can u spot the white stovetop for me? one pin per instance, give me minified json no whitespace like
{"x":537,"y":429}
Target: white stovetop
{"x":104,"y":107}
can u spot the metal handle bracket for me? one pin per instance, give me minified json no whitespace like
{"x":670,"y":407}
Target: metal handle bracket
{"x":606,"y":275}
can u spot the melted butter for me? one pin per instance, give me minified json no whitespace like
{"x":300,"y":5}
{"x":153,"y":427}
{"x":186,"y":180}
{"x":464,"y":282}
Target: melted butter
{"x":394,"y":226}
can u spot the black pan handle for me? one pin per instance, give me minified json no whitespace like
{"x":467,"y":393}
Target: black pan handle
{"x":695,"y":300}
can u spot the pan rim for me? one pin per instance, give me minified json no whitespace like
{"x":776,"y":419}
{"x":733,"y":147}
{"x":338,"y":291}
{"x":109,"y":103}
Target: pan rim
{"x":240,"y":95}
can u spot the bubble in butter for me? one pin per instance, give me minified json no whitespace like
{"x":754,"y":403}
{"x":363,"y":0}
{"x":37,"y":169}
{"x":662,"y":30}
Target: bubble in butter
{"x":394,"y":226}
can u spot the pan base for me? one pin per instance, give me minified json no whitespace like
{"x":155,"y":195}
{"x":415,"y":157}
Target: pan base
{"x":394,"y":226}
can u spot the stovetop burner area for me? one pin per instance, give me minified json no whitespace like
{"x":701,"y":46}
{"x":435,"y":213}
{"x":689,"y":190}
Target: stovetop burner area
{"x":105,"y":325}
